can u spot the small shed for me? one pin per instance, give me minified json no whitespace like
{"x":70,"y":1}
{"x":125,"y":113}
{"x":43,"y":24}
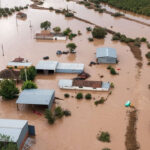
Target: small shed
{"x":70,"y":68}
{"x":19,"y":65}
{"x":47,"y":66}
{"x":37,"y":97}
{"x":16,"y":130}
{"x":106,"y":55}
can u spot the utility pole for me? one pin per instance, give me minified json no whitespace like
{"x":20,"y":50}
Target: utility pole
{"x":2,"y":50}
{"x":30,"y":24}
{"x":25,"y":71}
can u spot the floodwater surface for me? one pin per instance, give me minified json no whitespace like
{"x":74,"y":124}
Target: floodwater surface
{"x":79,"y":131}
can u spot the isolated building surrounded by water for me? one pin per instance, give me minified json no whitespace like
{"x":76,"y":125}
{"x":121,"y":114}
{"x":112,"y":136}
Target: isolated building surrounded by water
{"x":84,"y":85}
{"x":16,"y":130}
{"x":54,"y":66}
{"x":37,"y":97}
{"x":106,"y":55}
{"x":50,"y":36}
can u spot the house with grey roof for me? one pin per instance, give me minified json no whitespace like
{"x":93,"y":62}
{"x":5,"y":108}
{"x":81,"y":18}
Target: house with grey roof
{"x":106,"y":55}
{"x":37,"y":97}
{"x":15,"y":131}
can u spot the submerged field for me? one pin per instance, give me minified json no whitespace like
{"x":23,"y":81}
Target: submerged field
{"x":79,"y":131}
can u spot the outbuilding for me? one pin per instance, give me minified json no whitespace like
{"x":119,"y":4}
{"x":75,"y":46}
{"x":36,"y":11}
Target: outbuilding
{"x":106,"y":55}
{"x":47,"y":66}
{"x":37,"y":97}
{"x":19,"y":65}
{"x":70,"y":68}
{"x":84,"y":85}
{"x":17,"y":131}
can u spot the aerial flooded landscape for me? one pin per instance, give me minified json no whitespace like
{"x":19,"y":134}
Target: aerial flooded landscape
{"x":74,"y":74}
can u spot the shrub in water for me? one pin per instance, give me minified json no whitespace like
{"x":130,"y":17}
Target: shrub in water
{"x":101,"y":101}
{"x":104,"y":137}
{"x":58,"y":112}
{"x":79,"y":96}
{"x":88,"y":96}
{"x":49,"y":116}
{"x":148,"y":55}
{"x":113,"y":71}
{"x":67,"y":113}
{"x":66,"y":95}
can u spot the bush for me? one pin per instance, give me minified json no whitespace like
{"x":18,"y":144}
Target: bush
{"x":57,"y":11}
{"x":69,"y":14}
{"x":88,"y":96}
{"x":90,"y":39}
{"x":8,"y":89}
{"x":29,"y":85}
{"x":51,"y":8}
{"x":148,"y":45}
{"x":101,"y":101}
{"x":67,"y":113}
{"x":113,"y":71}
{"x":30,"y":72}
{"x":67,"y":31}
{"x":79,"y":96}
{"x":104,"y":137}
{"x":99,"y":33}
{"x":58,"y":112}
{"x":112,"y":85}
{"x":89,"y":29}
{"x":71,"y":46}
{"x":66,"y":95}
{"x":109,"y":67}
{"x":49,"y":116}
{"x":143,"y":39}
{"x":148,"y":55}
{"x":57,"y":29}
{"x":72,"y":35}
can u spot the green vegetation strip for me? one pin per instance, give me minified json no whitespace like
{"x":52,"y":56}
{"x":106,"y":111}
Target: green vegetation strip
{"x":130,"y":141}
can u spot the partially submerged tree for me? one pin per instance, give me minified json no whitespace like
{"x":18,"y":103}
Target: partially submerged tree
{"x":57,"y":29}
{"x":29,"y":85}
{"x":45,"y":25}
{"x":28,"y":74}
{"x":99,"y":33}
{"x":8,"y":89}
{"x":71,"y":46}
{"x":7,"y":143}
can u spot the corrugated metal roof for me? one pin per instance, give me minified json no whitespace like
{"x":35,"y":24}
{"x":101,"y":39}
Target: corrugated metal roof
{"x":47,"y":65}
{"x":24,"y":64}
{"x":65,"y":83}
{"x":11,"y":128}
{"x":106,"y":52}
{"x":35,"y":96}
{"x":70,"y":66}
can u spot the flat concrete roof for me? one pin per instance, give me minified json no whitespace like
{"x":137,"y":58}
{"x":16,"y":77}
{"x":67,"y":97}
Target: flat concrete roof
{"x":24,"y":64}
{"x":70,"y":66}
{"x":65,"y":83}
{"x":46,"y":65}
{"x":35,"y":97}
{"x":11,"y":128}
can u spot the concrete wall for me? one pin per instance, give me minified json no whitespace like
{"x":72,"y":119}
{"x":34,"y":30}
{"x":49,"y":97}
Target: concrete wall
{"x":23,"y":136}
{"x":106,"y":60}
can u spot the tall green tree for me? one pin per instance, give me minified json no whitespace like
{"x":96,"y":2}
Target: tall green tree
{"x":28,"y":73}
{"x":99,"y":33}
{"x":8,"y":89}
{"x":71,"y":46}
{"x":45,"y":25}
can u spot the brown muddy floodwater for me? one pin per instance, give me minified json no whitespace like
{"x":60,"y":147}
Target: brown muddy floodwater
{"x":79,"y":131}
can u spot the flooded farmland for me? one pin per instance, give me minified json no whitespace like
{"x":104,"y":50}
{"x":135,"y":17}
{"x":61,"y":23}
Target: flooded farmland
{"x":79,"y":131}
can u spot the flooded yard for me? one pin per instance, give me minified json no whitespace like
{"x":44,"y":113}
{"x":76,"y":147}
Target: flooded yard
{"x":79,"y":131}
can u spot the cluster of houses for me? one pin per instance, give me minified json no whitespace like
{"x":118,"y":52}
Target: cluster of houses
{"x":19,"y":130}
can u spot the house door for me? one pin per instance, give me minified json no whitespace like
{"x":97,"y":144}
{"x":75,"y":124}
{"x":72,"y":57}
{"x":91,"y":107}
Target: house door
{"x":31,"y":130}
